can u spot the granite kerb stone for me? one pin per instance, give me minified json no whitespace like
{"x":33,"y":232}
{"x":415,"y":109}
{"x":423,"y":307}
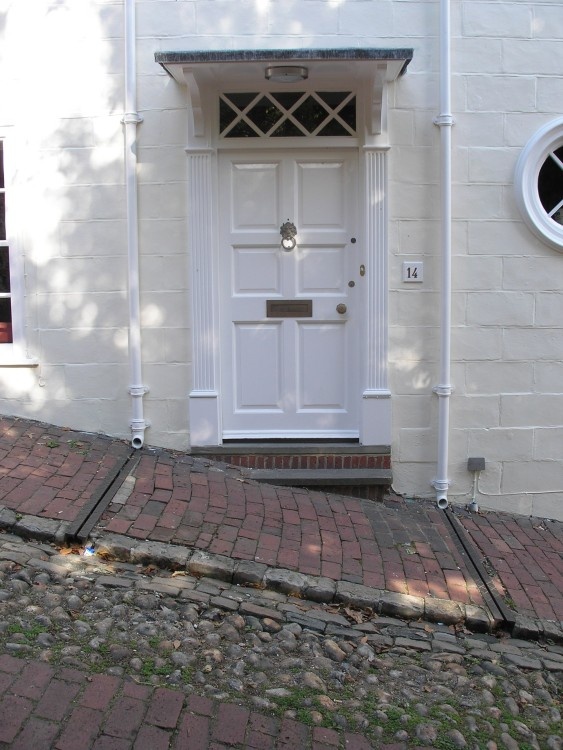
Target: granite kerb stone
{"x":249,"y":573}
{"x":527,"y":628}
{"x":8,"y":518}
{"x":357,"y":595}
{"x":551,"y":631}
{"x":164,"y":555}
{"x":480,"y":619}
{"x":405,"y":606}
{"x":213,"y":566}
{"x":114,"y":546}
{"x":287,"y":582}
{"x":444,"y":611}
{"x":46,"y":529}
{"x":322,"y":590}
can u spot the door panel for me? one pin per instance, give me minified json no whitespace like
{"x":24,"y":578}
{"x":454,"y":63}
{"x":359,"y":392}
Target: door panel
{"x":256,"y":270}
{"x":258,"y":387}
{"x":320,"y":348}
{"x":321,"y":270}
{"x":320,"y":189}
{"x":288,"y":377}
{"x":255,"y":200}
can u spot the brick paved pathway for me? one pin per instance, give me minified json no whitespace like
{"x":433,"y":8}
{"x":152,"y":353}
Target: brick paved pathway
{"x":398,"y":546}
{"x":392,"y":546}
{"x":527,"y":555}
{"x":50,"y":472}
{"x":64,"y":709}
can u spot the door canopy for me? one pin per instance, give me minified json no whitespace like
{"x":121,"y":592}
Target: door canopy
{"x":370,"y":67}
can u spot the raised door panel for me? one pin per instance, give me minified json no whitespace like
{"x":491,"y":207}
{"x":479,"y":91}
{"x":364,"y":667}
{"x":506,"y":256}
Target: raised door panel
{"x":256,"y":270}
{"x":321,"y":270}
{"x":321,"y":187}
{"x":322,"y":374}
{"x":255,"y":196}
{"x":257,"y":358}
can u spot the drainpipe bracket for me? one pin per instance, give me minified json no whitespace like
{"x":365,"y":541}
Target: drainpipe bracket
{"x":443,"y":390}
{"x":441,"y":485}
{"x":444,"y":120}
{"x":138,"y":390}
{"x":131,"y":118}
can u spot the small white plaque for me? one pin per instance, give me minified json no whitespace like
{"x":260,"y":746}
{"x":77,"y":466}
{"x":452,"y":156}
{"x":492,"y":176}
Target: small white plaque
{"x":413,"y":271}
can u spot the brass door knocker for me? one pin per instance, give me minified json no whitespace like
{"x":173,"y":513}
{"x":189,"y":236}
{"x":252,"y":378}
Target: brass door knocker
{"x":288,"y":232}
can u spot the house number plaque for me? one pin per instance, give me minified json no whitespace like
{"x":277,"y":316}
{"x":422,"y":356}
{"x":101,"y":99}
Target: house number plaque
{"x":289,"y":308}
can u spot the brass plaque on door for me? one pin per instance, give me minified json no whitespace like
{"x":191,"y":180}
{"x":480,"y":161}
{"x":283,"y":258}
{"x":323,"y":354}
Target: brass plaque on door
{"x":289,"y":308}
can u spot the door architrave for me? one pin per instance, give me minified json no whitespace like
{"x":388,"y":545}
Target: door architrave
{"x":202,"y":219}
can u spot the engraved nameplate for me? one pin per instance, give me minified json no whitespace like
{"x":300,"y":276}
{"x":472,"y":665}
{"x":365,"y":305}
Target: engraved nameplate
{"x":289,"y":308}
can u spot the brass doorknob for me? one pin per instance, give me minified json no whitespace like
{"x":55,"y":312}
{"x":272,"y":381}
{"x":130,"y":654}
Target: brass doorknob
{"x":341,"y":308}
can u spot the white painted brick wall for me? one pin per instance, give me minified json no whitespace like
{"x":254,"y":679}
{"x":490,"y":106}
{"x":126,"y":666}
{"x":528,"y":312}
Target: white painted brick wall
{"x":531,"y":408}
{"x":499,"y":444}
{"x":528,"y":344}
{"x":497,"y":20}
{"x":499,"y":377}
{"x":475,"y":411}
{"x":548,"y":377}
{"x":494,"y":309}
{"x":501,"y":93}
{"x":547,"y":443}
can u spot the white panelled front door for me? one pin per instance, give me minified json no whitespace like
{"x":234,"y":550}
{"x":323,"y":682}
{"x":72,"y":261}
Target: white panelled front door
{"x":289,"y":318}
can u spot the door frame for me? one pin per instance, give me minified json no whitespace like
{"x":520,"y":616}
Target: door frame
{"x":205,"y":397}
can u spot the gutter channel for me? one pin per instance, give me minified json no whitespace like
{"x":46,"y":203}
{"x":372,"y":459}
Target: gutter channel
{"x":483,"y":578}
{"x":81,"y":527}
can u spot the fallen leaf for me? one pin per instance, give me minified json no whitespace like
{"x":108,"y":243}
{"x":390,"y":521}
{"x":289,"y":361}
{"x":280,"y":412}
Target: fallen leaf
{"x":176,"y":644}
{"x":354,"y":615}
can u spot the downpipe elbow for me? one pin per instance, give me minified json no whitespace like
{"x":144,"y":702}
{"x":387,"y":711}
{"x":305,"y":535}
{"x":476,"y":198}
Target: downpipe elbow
{"x":442,"y":500}
{"x":137,"y":441}
{"x":138,"y":427}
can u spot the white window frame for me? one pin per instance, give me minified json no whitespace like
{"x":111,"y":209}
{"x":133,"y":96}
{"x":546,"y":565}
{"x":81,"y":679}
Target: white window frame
{"x":15,"y":353}
{"x":546,"y":140}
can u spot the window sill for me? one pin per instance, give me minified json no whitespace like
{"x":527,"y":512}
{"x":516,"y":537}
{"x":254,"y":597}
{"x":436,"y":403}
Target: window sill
{"x":15,"y":361}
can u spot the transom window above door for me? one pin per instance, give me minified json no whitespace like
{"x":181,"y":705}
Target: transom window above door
{"x":287,"y":114}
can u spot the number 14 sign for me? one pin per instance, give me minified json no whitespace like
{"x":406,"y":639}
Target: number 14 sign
{"x":413,"y":271}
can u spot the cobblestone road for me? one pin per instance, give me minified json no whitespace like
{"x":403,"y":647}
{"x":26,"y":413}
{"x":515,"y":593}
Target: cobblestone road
{"x":109,"y":655}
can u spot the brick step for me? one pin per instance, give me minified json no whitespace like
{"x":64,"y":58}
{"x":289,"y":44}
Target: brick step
{"x":322,"y":477}
{"x":343,"y":468}
{"x":306,"y":456}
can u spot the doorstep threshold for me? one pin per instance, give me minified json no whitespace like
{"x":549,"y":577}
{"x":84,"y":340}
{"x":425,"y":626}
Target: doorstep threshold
{"x":321,"y":477}
{"x":290,"y":448}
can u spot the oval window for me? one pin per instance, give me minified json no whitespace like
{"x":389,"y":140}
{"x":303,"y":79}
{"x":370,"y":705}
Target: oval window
{"x":539,"y":183}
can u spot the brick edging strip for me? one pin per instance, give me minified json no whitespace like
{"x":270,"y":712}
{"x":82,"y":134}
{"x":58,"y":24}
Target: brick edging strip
{"x":320,"y":590}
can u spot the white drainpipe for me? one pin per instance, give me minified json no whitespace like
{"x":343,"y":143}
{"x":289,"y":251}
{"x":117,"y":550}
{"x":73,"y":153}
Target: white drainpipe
{"x":444,"y":388}
{"x":130,"y":121}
